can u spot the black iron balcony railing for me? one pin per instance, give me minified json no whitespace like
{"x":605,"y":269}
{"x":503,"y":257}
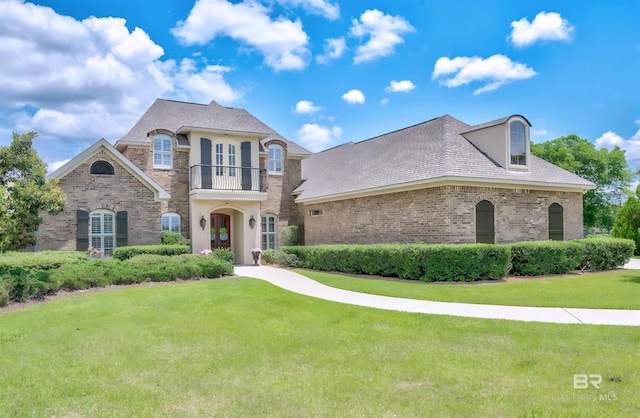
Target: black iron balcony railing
{"x":219,"y":177}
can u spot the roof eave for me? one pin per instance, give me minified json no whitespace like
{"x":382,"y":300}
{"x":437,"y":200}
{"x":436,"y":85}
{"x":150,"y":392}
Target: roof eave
{"x":259,"y":135}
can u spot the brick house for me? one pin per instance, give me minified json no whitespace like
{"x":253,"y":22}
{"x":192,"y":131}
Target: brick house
{"x":222,"y":178}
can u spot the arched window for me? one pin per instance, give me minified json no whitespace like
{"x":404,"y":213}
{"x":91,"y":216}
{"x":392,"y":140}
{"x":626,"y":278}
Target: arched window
{"x":276,"y":157}
{"x":485,"y":230}
{"x":518,"y":143}
{"x":103,"y":230}
{"x":101,"y":167}
{"x":162,"y":151}
{"x":556,"y":223}
{"x":171,"y":222}
{"x":269,"y":232}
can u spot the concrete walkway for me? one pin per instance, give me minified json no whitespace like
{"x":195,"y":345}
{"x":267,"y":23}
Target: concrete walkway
{"x":297,"y":283}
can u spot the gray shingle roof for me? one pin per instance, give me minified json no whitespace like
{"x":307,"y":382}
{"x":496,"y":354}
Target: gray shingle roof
{"x":426,"y":151}
{"x":172,"y":115}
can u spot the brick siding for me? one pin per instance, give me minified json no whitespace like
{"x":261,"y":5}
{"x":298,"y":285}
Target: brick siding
{"x":440,"y":215}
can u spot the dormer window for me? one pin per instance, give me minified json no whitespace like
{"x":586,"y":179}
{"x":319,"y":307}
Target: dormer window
{"x":518,"y":143}
{"x":162,"y":151}
{"x":276,"y":154}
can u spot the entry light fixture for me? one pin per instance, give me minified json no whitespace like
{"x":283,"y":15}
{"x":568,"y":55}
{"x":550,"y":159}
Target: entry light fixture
{"x":252,"y":222}
{"x":203,"y":222}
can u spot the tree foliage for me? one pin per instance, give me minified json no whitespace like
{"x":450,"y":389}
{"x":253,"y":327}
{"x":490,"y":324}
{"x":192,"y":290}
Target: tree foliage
{"x":627,"y":223}
{"x":608,"y":169}
{"x":24,"y":193}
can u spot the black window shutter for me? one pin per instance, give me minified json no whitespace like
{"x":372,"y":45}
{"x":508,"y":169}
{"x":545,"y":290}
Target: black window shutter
{"x":121,"y":228}
{"x":82,"y":239}
{"x":245,"y":157}
{"x":205,"y":161}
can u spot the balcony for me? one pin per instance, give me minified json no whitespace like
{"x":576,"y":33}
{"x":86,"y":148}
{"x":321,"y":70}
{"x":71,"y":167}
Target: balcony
{"x":217,"y":181}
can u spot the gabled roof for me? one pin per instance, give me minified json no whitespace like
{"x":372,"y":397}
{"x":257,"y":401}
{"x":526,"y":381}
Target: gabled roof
{"x":158,"y":191}
{"x":174,"y":115}
{"x":429,"y":152}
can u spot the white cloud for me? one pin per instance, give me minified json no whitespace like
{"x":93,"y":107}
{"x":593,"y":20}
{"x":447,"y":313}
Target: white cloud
{"x":631,"y":146}
{"x":333,"y":49}
{"x":353,"y":96}
{"x":496,"y":71}
{"x":400,"y":86}
{"x":384,"y":101}
{"x":539,"y":132}
{"x":323,"y":8}
{"x":316,"y":137}
{"x":53,"y":166}
{"x":544,"y":27}
{"x":282,"y":42}
{"x":383,"y":31}
{"x":305,"y":106}
{"x":76,"y":81}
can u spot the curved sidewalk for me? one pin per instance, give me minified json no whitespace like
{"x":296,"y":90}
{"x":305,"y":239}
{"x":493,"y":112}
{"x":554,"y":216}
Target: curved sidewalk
{"x":297,"y":283}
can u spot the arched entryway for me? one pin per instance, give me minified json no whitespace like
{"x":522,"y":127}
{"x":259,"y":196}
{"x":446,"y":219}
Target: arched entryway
{"x":485,"y":229}
{"x":220,"y":230}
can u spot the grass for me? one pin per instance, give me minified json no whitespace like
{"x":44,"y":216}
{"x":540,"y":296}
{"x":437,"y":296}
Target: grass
{"x":610,"y":290}
{"x":242,"y":347}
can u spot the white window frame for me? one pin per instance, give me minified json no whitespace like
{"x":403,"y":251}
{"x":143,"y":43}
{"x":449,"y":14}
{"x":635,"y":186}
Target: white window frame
{"x":276,"y":159}
{"x":232,"y":160}
{"x":525,"y":143}
{"x":162,"y":148}
{"x":173,"y":221}
{"x":219,"y":159}
{"x":269,"y":238}
{"x":99,"y":236}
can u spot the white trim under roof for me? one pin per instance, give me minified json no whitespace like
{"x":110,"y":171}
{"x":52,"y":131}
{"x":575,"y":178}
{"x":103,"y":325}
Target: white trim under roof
{"x":259,"y":135}
{"x":447,"y":181}
{"x":75,"y":162}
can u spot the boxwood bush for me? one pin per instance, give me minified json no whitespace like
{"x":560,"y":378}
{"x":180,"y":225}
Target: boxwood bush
{"x":427,"y":262}
{"x":43,"y":260}
{"x":124,"y":253}
{"x":605,"y":253}
{"x":534,"y":258}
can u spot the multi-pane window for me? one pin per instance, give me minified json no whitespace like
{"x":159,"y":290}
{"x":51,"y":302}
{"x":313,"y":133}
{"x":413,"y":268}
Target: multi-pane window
{"x":275,"y":159}
{"x":518,"y":144}
{"x":171,"y":222}
{"x":103,"y":230}
{"x":269,"y":236}
{"x":162,"y":152}
{"x":219,"y":159}
{"x":232,"y":160}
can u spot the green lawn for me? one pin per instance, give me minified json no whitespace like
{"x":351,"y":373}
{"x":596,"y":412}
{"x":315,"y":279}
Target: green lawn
{"x":611,"y":290}
{"x":242,"y":347}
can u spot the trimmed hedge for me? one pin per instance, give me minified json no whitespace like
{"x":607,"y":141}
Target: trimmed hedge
{"x":125,"y":253}
{"x":43,"y":260}
{"x":427,"y":262}
{"x":279,"y":258}
{"x":535,"y":258}
{"x":606,"y":253}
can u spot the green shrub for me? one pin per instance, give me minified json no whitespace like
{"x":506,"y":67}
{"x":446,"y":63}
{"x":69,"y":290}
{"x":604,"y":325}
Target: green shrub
{"x":5,"y":292}
{"x":84,"y":274}
{"x":173,"y":238}
{"x":44,"y":260}
{"x":124,"y":253}
{"x":627,"y":222}
{"x":605,"y":253}
{"x":292,"y":235}
{"x":225,"y":254}
{"x":25,"y":284}
{"x":280,"y":258}
{"x":212,"y":267}
{"x":437,"y":262}
{"x":535,"y":258}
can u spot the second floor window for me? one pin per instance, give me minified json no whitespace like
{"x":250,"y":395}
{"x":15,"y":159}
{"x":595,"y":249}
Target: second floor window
{"x":232,"y":160}
{"x":518,"y":143}
{"x":162,"y":151}
{"x":275,"y":159}
{"x":219,"y":159}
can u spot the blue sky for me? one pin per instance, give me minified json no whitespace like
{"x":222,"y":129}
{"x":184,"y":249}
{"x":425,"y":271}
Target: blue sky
{"x":321,"y":72}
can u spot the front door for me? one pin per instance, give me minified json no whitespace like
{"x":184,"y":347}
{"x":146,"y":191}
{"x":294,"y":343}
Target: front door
{"x":220,"y":231}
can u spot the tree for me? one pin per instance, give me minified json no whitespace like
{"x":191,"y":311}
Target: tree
{"x":608,"y":169}
{"x":627,"y":223}
{"x":24,"y":193}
